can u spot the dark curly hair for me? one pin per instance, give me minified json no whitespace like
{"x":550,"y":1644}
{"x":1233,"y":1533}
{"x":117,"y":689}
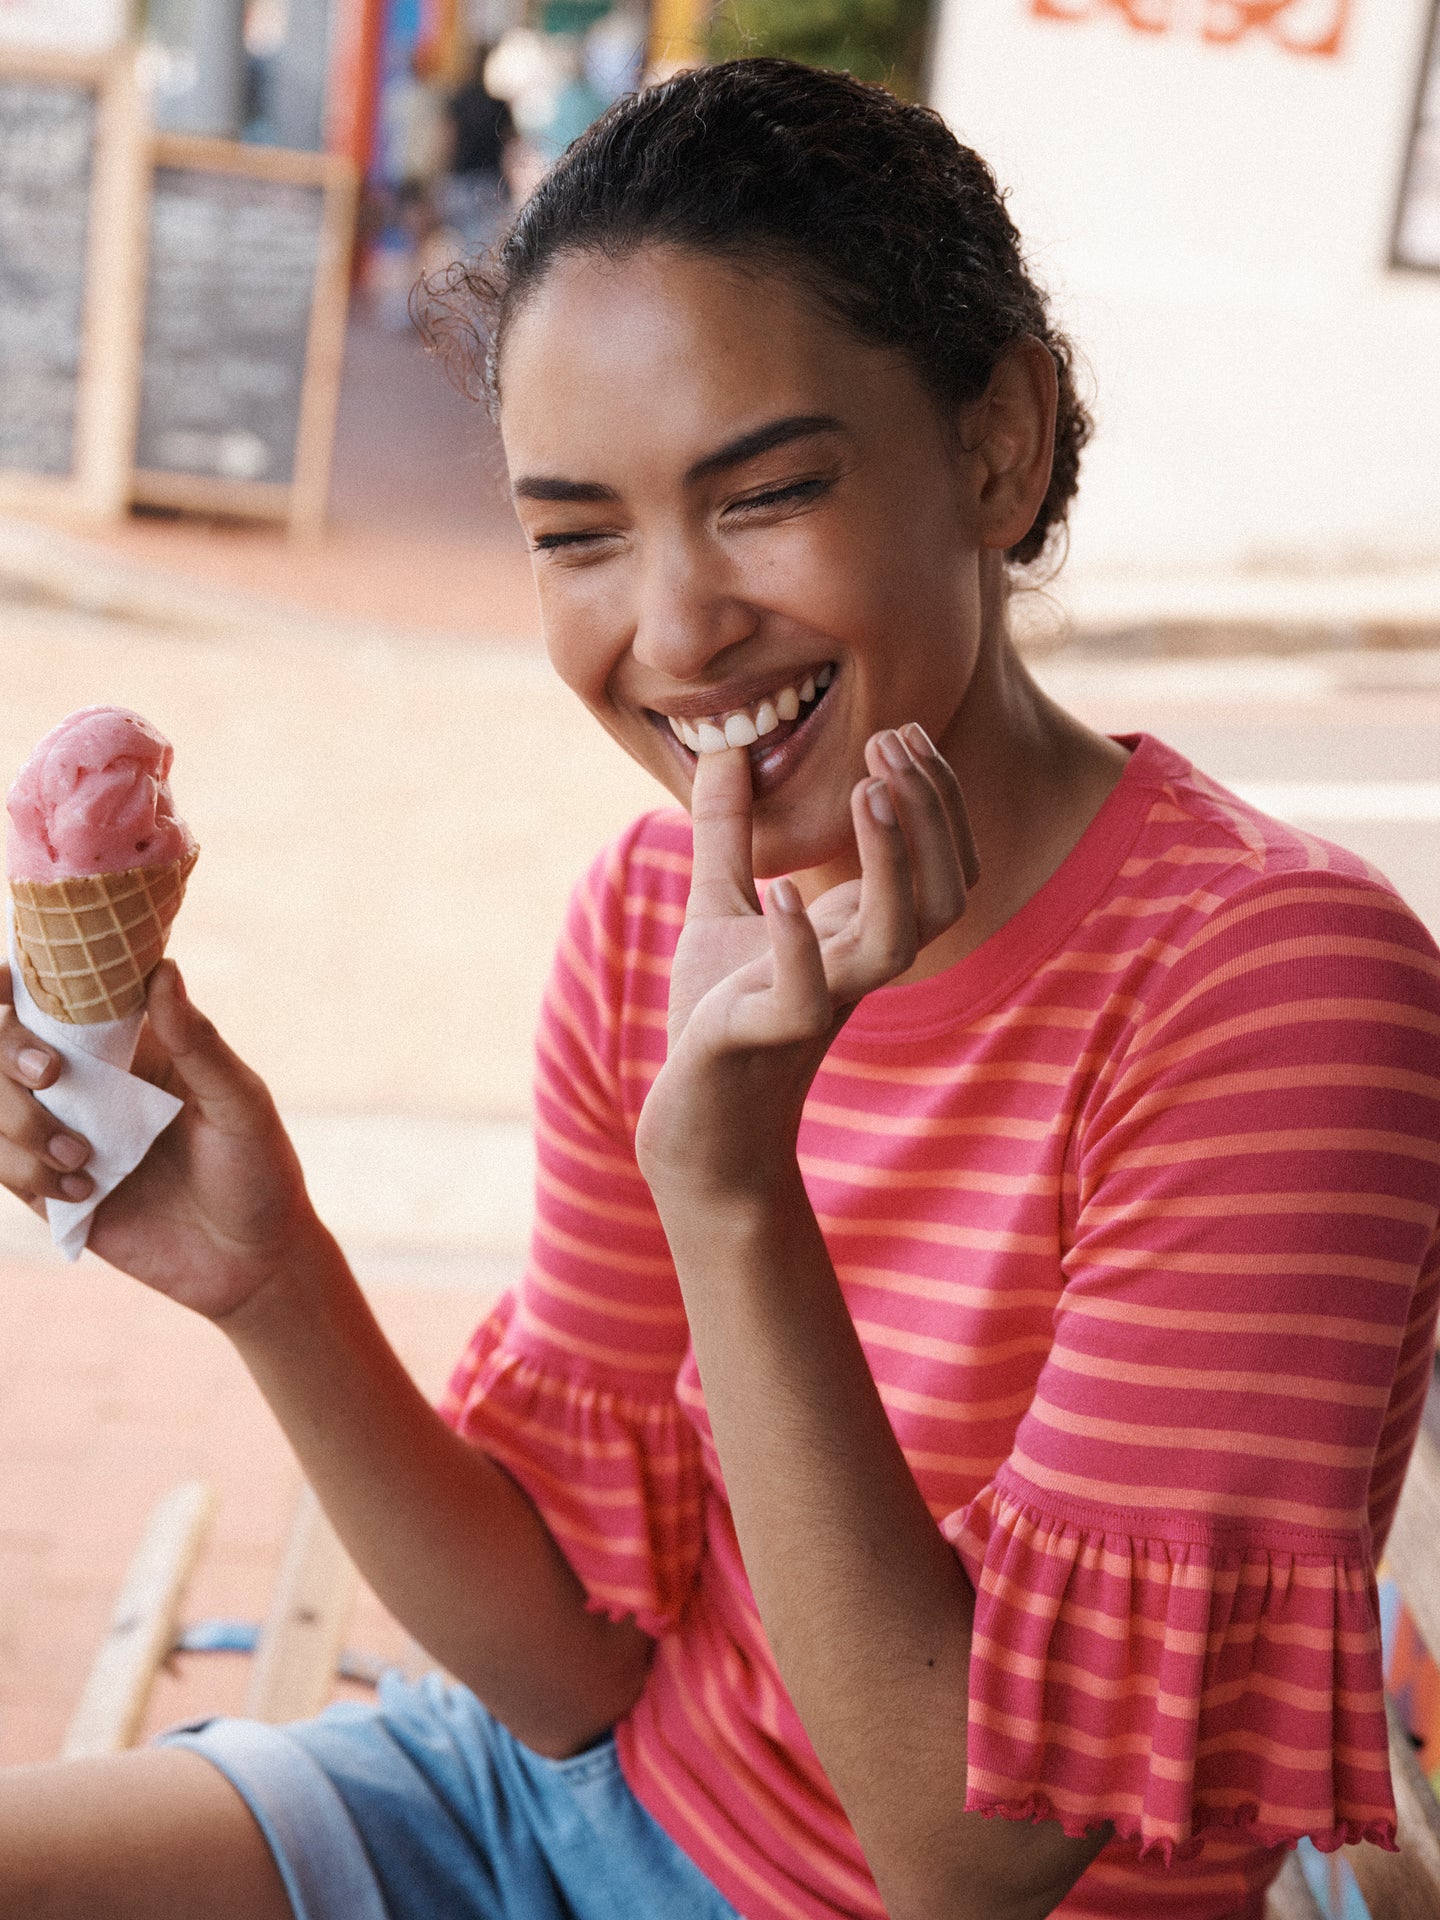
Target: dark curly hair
{"x":899,"y":230}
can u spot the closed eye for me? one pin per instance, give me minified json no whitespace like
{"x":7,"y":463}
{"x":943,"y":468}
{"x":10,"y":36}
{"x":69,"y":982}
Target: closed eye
{"x":550,"y":542}
{"x":794,"y":494}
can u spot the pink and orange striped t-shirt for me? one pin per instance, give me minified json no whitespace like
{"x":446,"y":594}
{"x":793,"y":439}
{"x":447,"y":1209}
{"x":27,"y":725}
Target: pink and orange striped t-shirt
{"x":1135,"y":1211}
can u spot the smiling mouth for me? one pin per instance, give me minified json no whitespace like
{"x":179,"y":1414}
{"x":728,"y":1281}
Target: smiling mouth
{"x":762,"y":725}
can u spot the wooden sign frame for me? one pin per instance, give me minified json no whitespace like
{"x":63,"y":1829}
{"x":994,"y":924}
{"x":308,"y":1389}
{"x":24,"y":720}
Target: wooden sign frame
{"x":98,"y":484}
{"x":301,"y":500}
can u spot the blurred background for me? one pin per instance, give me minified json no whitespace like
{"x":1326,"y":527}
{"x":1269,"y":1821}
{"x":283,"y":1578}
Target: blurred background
{"x":236,"y":494}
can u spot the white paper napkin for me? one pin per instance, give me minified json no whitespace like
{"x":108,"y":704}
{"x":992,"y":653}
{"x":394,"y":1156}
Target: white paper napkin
{"x":97,"y":1097}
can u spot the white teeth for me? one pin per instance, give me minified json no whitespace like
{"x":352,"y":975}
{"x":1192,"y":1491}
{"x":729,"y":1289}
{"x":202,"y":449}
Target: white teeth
{"x":742,"y":729}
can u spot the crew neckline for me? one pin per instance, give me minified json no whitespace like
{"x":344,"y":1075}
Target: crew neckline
{"x":962,"y":992}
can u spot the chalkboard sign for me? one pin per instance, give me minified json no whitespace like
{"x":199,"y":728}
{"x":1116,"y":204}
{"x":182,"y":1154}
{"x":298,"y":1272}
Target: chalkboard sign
{"x":245,"y":293}
{"x":71,"y":159}
{"x":47,"y":160}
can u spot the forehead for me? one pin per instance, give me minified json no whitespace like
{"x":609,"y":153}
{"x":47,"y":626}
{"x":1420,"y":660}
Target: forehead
{"x":673,"y":344}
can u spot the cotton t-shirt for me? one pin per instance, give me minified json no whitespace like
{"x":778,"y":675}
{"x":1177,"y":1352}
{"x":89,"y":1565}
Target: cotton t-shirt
{"x":1134,"y":1209}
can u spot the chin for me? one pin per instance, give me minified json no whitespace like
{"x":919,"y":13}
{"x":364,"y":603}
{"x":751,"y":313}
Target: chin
{"x":776,"y":851}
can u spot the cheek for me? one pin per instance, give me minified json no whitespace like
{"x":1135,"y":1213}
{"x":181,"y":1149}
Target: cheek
{"x":858,"y":576}
{"x":580,"y":634}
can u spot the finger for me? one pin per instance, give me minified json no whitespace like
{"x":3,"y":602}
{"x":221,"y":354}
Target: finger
{"x":929,"y":757}
{"x":22,"y":1056}
{"x":721,"y":805}
{"x":30,"y":1129}
{"x":32,"y":1181}
{"x":925,"y":821}
{"x":227,"y":1092}
{"x":883,"y":940}
{"x":32,"y":1175}
{"x":798,"y":1005}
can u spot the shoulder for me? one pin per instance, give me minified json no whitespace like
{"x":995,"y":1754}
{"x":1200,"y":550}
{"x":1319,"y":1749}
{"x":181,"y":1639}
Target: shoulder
{"x":632,"y":898}
{"x":1239,"y":896}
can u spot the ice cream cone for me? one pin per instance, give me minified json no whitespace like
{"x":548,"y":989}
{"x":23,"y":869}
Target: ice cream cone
{"x":88,"y":945}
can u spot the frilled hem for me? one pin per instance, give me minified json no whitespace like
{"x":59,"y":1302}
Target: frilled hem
{"x":649,"y":1619}
{"x":615,"y":1473}
{"x":1243,"y":1823}
{"x":1170,"y":1687}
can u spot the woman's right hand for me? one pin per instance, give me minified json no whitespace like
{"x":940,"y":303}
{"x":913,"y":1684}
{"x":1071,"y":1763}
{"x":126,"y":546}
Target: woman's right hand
{"x":216,"y":1207}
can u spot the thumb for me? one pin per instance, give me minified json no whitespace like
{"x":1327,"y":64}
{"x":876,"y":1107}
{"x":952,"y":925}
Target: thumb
{"x":227,"y":1092}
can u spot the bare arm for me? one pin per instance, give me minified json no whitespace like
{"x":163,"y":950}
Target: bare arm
{"x":450,"y":1543}
{"x":866,"y":1606}
{"x":217,"y":1217}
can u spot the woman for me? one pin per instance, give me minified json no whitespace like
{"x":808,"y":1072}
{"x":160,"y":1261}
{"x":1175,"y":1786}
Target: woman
{"x":981,"y":1300}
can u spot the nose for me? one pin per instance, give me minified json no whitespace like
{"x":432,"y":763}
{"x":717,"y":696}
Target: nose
{"x":688,"y":613}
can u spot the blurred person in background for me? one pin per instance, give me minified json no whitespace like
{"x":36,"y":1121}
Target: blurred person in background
{"x":481,"y":130}
{"x":986,"y":1264}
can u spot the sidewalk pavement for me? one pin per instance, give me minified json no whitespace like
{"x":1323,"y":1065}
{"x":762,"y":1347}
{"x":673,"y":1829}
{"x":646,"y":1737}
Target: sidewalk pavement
{"x":110,"y":1397}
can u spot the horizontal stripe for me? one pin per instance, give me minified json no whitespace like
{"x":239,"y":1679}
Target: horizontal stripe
{"x":1214,"y":1503}
{"x":1162,"y":1438}
{"x":1217,"y":1379}
{"x":1298,"y":1326}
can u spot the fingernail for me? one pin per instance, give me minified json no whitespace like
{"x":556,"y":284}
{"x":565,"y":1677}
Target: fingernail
{"x":919,"y":741}
{"x":877,"y":798}
{"x":33,"y":1062}
{"x":786,"y":895}
{"x":67,"y":1150}
{"x":180,"y":994}
{"x":75,"y":1186}
{"x":892,"y":751}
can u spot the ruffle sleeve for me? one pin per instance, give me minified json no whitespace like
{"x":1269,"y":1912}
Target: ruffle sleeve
{"x":1170,"y":1686}
{"x":1177,"y":1626}
{"x":616,"y":1475}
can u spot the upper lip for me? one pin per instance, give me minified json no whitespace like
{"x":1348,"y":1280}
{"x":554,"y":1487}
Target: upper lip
{"x":711,"y":702}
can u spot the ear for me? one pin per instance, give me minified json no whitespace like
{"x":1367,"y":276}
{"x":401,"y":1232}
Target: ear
{"x":1010,"y":432}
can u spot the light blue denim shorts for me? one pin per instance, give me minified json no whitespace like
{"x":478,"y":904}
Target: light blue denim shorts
{"x":423,"y":1807}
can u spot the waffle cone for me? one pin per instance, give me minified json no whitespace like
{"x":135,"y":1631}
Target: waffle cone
{"x":88,"y":946}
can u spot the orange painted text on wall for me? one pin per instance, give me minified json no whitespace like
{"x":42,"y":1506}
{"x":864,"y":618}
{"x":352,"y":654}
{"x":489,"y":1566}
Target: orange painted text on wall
{"x":1315,"y":27}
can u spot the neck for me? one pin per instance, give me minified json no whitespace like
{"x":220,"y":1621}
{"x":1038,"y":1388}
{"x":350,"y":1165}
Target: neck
{"x":1033,"y":778}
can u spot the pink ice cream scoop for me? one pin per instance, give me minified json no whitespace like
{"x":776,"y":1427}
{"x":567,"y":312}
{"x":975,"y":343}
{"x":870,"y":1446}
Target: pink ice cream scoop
{"x":93,"y":798}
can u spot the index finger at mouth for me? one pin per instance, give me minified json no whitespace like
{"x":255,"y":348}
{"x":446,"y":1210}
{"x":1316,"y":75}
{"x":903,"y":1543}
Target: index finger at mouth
{"x":721,"y":805}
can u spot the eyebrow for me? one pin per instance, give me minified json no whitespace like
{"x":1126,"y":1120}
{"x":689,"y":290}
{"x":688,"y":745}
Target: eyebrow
{"x":748,"y":446}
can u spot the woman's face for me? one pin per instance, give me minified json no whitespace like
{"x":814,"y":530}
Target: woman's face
{"x":736,"y":508}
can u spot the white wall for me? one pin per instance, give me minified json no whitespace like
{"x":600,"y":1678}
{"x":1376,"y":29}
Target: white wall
{"x":1216,"y":222}
{"x":72,"y":26}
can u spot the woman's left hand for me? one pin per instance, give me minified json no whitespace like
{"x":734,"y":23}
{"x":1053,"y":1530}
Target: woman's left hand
{"x":757,"y":997}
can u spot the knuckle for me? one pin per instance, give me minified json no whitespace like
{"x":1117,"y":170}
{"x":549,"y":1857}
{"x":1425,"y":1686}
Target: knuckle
{"x":21,"y":1116}
{"x":33,"y":1128}
{"x":896,"y":953}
